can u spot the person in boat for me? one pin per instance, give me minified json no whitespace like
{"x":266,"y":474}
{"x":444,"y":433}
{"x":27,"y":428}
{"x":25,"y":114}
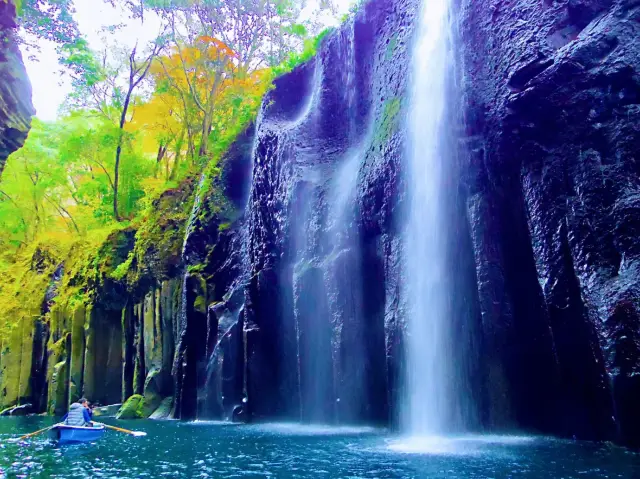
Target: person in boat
{"x":79,"y":414}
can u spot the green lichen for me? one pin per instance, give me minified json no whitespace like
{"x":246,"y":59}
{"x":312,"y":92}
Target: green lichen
{"x":200,"y":304}
{"x":391,"y":47}
{"x":389,"y":122}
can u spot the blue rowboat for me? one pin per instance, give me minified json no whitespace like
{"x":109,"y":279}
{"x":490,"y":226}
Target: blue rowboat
{"x":74,"y":434}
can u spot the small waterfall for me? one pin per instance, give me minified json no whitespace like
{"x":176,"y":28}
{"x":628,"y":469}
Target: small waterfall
{"x":428,"y":399}
{"x":326,"y":247}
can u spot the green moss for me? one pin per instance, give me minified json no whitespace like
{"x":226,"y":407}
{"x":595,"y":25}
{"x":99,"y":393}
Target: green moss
{"x":16,"y":364}
{"x":309,"y":50}
{"x":389,"y":121}
{"x":391,"y":47}
{"x":196,"y":268}
{"x":152,"y":396}
{"x":58,"y":390}
{"x":200,"y":304}
{"x":90,"y":265}
{"x":159,"y":237}
{"x":24,"y":283}
{"x":132,"y":408}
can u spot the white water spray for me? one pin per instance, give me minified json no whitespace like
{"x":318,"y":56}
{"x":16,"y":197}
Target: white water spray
{"x":427,"y":406}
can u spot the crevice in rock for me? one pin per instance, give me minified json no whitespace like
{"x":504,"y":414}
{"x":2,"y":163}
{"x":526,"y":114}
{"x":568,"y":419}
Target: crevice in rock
{"x":523,"y":75}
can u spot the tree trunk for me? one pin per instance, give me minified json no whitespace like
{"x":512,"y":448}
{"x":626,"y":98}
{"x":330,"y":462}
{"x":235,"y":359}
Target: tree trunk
{"x":207,"y":122}
{"x":178,"y":154}
{"x":162,"y":151}
{"x":116,"y":170}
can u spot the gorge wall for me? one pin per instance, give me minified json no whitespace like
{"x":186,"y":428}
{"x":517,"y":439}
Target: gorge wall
{"x":279,"y":294}
{"x":16,"y":109}
{"x":551,"y":178}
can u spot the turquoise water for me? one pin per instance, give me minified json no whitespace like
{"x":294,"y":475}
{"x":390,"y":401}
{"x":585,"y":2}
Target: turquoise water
{"x":214,"y":450}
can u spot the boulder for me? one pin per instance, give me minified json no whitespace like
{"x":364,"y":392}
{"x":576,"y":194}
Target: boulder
{"x":21,"y":410}
{"x":132,"y":408}
{"x":107,"y":411}
{"x":164,"y":410}
{"x":152,"y":395}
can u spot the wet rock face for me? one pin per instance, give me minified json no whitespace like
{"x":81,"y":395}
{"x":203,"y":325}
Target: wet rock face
{"x":326,"y":183}
{"x":553,"y":115}
{"x":16,"y":108}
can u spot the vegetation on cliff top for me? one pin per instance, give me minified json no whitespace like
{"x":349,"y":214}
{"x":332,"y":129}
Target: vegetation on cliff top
{"x":142,"y":124}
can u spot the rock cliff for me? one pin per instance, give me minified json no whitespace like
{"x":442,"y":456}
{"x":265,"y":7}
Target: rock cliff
{"x":552,"y":93}
{"x":16,"y":109}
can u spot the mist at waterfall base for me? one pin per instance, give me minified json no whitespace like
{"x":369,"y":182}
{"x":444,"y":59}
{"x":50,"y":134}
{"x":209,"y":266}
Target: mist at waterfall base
{"x":209,"y":450}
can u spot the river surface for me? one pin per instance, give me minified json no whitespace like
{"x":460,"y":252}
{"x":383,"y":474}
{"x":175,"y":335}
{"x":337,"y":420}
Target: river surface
{"x":218,"y":450}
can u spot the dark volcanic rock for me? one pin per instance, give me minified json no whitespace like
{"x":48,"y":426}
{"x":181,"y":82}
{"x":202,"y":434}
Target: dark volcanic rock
{"x":22,"y":410}
{"x":16,"y":109}
{"x":322,"y":221}
{"x":553,"y":108}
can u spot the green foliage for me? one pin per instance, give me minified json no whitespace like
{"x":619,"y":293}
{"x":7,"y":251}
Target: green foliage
{"x":48,"y":19}
{"x":309,"y":50}
{"x":57,"y":192}
{"x":83,"y":64}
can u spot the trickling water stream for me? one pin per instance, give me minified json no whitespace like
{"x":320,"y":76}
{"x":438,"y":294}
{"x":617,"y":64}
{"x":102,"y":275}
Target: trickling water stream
{"x":426,"y":410}
{"x":328,"y":306}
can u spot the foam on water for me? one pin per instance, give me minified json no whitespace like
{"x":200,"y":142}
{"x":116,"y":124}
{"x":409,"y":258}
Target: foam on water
{"x":468,"y":445}
{"x":295,"y":429}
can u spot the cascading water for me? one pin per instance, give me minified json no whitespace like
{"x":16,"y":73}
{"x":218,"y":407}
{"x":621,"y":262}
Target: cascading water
{"x":327,"y":306}
{"x":428,"y":397}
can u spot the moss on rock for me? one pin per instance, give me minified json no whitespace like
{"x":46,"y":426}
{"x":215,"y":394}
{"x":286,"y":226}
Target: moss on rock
{"x":152,"y":395}
{"x":132,"y":408}
{"x":77,"y":352}
{"x":57,"y":378}
{"x":58,"y":397}
{"x":17,"y":355}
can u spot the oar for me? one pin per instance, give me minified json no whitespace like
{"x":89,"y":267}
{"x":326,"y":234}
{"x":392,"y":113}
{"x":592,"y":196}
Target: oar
{"x":34,"y":433}
{"x":126,"y":431}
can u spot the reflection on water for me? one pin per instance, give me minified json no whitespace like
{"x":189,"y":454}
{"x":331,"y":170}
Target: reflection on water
{"x":219,"y":450}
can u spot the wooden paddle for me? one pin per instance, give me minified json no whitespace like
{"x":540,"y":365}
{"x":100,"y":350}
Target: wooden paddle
{"x":35,"y":433}
{"x":126,"y":431}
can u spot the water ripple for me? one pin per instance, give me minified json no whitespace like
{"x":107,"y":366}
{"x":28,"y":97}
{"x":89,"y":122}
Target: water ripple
{"x":180,"y":450}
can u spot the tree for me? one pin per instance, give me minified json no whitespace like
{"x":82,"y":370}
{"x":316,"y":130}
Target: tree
{"x":107,"y":82}
{"x":261,"y":32}
{"x":48,"y":19}
{"x":195,"y":74}
{"x":138,"y":71}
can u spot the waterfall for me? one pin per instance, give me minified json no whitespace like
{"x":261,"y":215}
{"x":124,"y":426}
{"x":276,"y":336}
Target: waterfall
{"x":427,"y":408}
{"x":326,"y":286}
